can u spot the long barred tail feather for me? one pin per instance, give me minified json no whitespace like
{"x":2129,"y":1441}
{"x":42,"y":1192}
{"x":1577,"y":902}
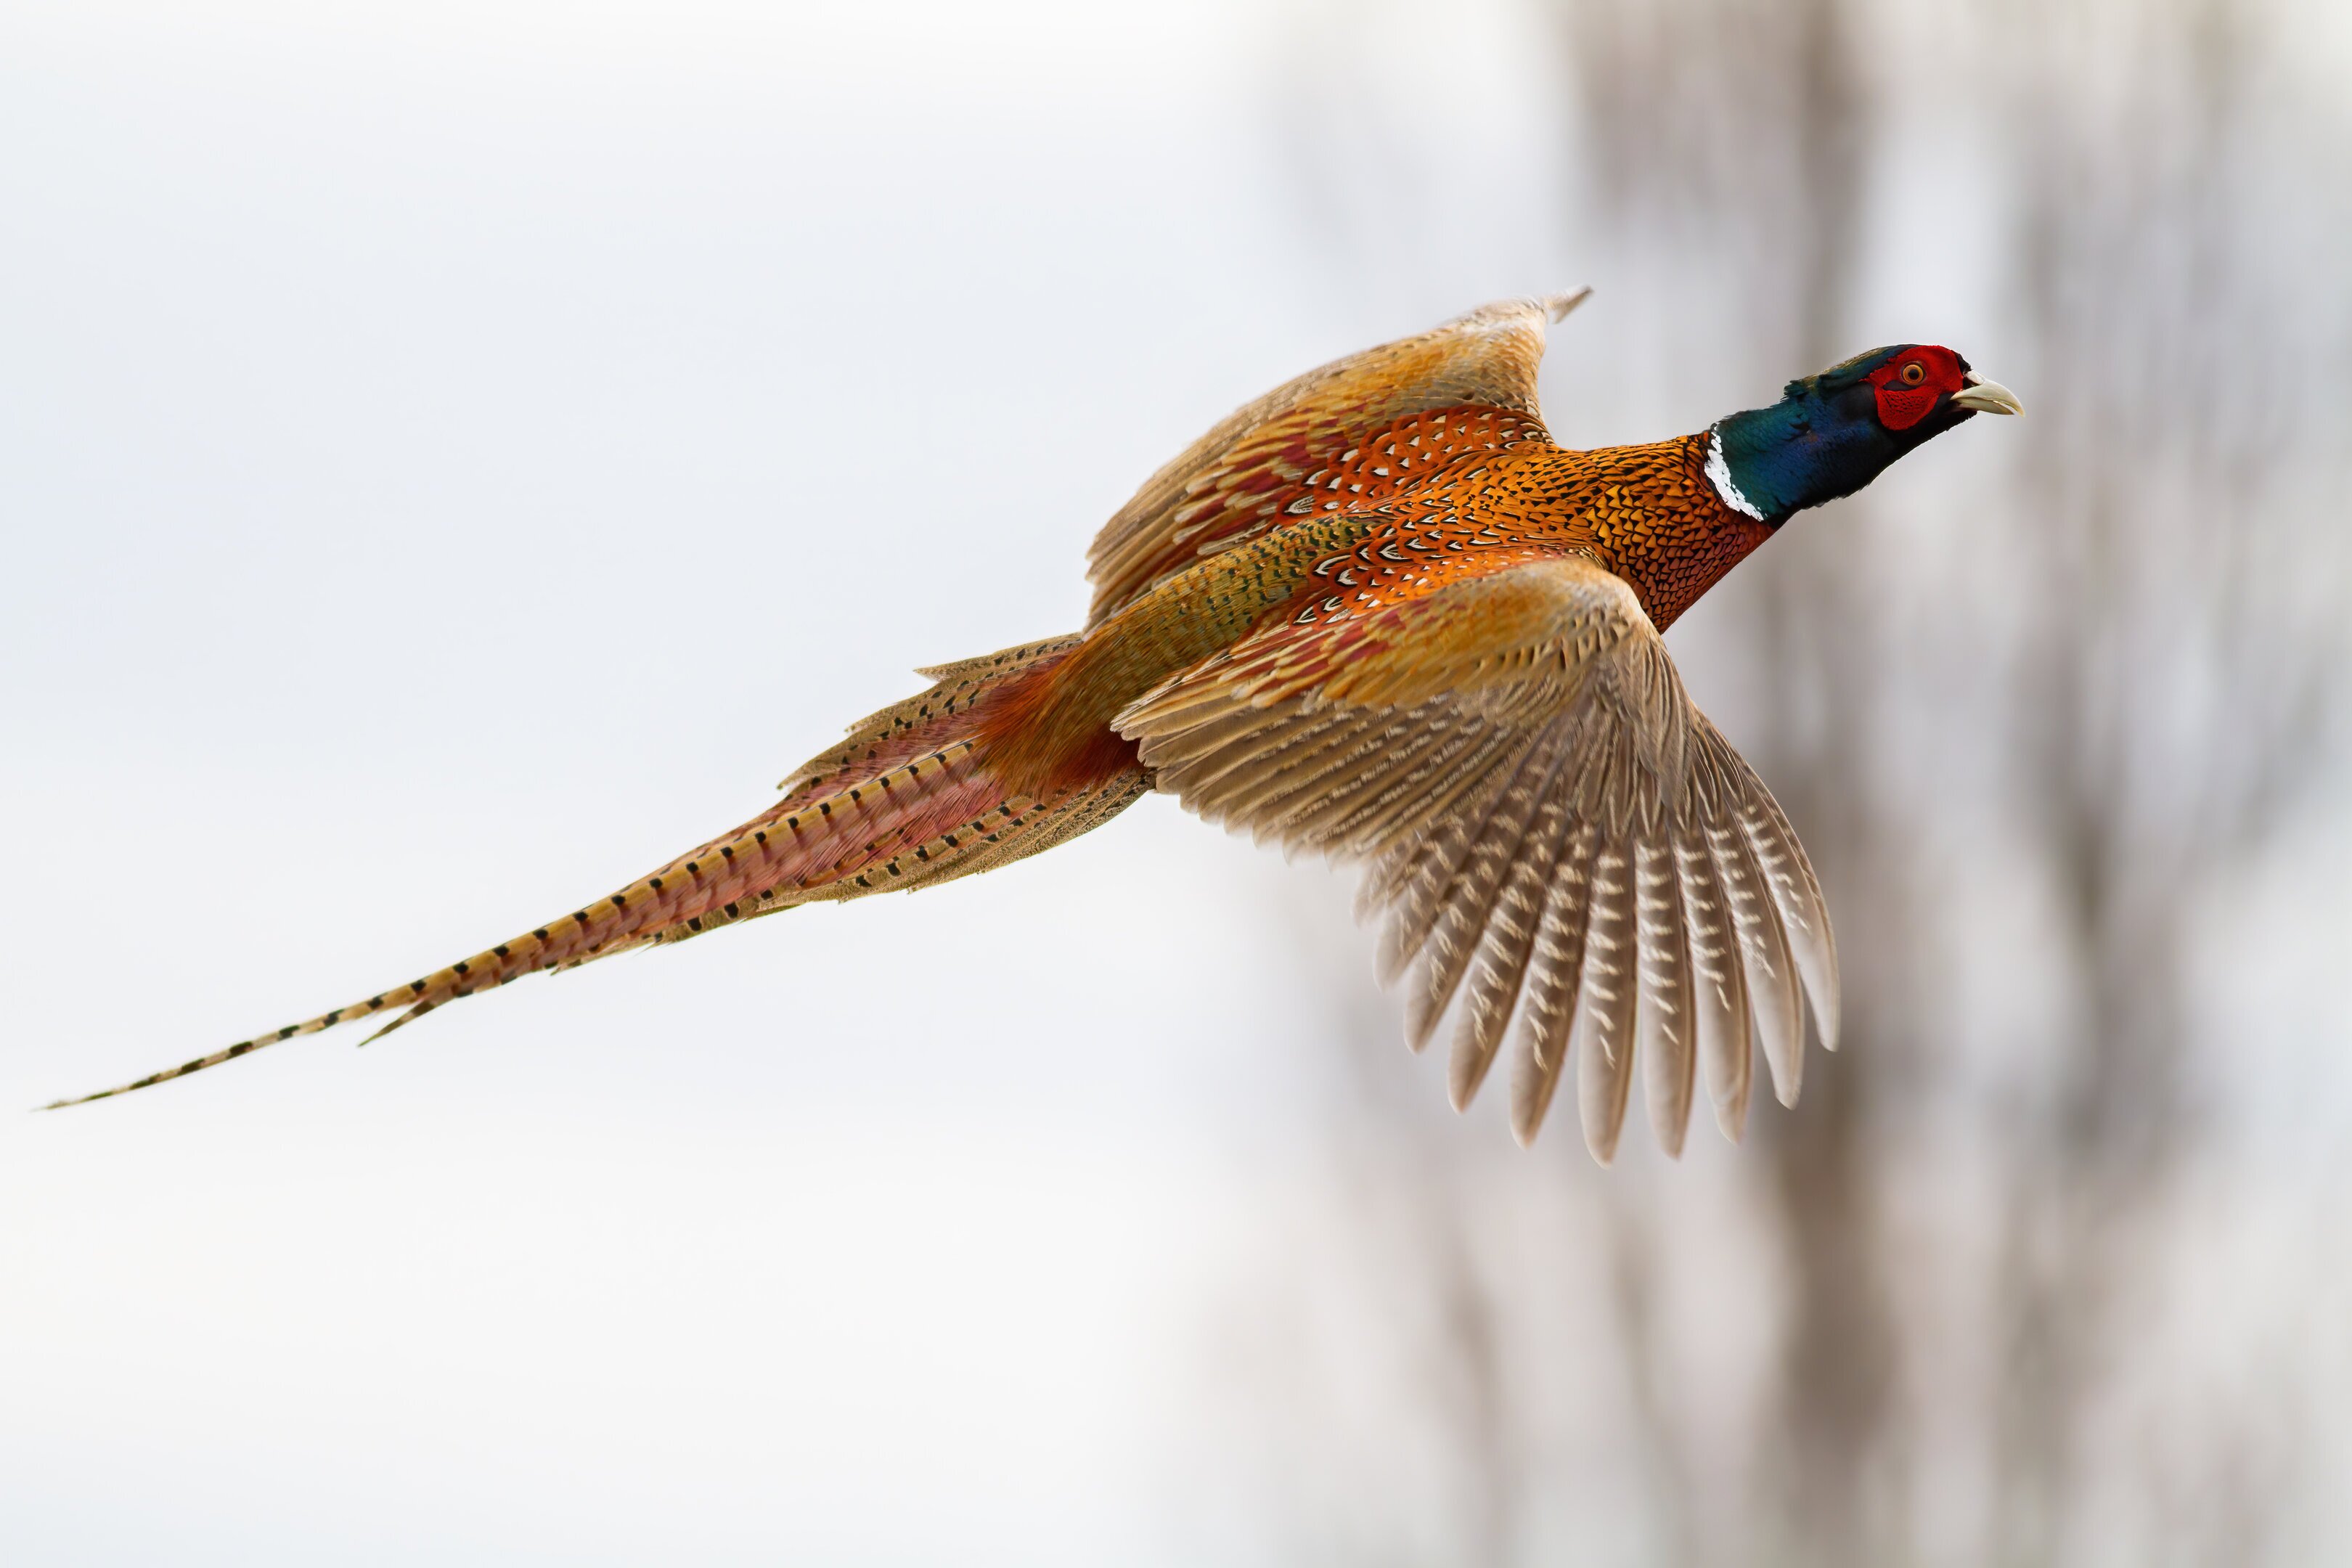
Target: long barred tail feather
{"x":908,"y":801}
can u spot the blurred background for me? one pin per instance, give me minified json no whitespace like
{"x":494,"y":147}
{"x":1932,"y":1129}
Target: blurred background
{"x":452,"y":456}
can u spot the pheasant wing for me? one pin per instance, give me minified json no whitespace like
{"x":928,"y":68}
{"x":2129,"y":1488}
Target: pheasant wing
{"x":1553,"y":830}
{"x":1261,"y":462}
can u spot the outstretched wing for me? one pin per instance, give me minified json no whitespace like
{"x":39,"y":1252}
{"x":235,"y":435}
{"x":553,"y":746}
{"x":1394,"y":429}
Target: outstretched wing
{"x":1552,"y":827}
{"x":1235,"y":482}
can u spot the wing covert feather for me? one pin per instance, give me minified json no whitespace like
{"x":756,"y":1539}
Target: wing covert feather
{"x":1253,"y":467}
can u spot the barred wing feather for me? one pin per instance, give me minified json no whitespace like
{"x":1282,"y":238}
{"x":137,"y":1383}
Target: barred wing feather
{"x":1555,"y":834}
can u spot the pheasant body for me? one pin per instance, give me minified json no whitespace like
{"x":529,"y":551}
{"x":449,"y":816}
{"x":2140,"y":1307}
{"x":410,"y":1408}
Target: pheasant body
{"x":1491,"y":492}
{"x":1380,"y":614}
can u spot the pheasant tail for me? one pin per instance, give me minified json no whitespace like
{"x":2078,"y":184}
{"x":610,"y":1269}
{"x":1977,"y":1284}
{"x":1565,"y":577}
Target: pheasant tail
{"x":908,"y":799}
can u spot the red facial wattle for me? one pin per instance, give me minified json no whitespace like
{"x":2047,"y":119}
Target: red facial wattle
{"x":1908,"y":384}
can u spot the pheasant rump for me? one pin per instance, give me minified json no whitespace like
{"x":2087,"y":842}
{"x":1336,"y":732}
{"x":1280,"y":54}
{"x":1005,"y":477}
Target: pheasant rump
{"x":1380,"y":615}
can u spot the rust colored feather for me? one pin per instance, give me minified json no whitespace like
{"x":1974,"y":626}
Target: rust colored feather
{"x":1376,"y":615}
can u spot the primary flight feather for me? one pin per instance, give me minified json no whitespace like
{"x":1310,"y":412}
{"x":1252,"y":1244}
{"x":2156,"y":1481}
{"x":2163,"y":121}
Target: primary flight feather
{"x":1380,"y":615}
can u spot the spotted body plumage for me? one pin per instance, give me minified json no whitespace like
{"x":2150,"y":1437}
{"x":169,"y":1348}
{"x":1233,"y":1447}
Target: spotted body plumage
{"x":1380,"y":614}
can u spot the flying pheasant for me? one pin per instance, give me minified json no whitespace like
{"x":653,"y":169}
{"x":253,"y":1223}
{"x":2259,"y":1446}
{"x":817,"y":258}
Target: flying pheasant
{"x":1380,"y":614}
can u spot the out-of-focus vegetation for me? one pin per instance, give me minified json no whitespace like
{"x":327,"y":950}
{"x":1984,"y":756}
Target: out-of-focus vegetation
{"x":2048,"y":1266}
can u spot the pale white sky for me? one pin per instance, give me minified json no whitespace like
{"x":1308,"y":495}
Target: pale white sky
{"x":453,"y":457}
{"x":450,"y":457}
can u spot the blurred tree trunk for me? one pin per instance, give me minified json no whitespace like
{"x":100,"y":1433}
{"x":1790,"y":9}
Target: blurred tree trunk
{"x":1740,"y":131}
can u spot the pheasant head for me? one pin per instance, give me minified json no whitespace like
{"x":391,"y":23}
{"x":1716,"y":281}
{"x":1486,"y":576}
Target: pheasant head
{"x":1834,"y":433}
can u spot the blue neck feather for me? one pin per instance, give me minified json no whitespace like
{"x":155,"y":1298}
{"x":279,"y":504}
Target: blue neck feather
{"x":1821,"y":441}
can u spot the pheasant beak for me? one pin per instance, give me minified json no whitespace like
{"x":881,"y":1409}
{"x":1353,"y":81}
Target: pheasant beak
{"x":1979,"y":395}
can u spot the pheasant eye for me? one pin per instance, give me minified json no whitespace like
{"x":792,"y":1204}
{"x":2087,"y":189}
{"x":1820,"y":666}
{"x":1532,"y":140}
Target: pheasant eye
{"x":1913,"y":373}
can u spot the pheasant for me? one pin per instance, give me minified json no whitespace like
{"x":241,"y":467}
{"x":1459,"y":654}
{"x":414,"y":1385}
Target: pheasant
{"x":1379,"y":614}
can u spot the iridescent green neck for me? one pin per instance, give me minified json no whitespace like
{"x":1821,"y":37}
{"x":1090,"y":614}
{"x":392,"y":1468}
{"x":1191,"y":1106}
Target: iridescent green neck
{"x":1772,"y":463}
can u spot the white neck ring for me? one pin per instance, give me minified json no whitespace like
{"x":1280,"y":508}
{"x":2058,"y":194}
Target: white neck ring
{"x":1718,"y":474}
